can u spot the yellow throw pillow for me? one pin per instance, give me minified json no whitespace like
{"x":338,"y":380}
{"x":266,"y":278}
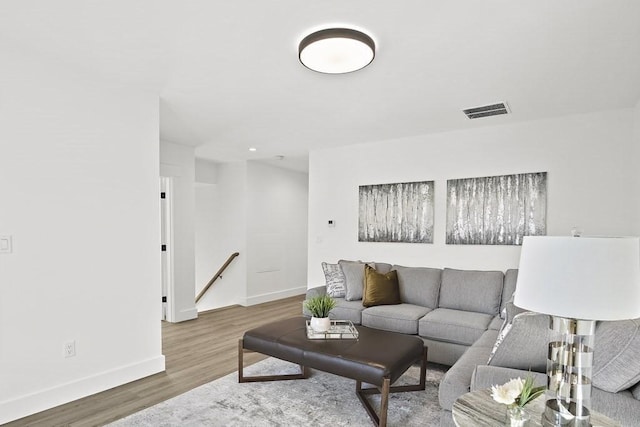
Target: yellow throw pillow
{"x":380,"y":289}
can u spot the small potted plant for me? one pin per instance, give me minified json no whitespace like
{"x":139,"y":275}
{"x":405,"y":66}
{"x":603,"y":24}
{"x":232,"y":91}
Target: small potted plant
{"x":516,"y":393}
{"x":319,"y":307}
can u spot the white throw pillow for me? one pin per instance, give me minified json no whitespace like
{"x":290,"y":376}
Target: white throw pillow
{"x":504,"y":330}
{"x":335,"y":280}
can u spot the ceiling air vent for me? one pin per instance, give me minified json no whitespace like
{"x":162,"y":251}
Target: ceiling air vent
{"x":487,"y":110}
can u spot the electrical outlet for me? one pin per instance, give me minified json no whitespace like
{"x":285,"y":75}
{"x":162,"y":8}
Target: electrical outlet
{"x":69,"y":349}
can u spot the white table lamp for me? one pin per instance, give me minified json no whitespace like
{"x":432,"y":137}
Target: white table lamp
{"x":576,"y":280}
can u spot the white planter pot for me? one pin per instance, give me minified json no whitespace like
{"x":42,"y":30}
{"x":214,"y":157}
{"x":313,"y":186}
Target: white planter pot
{"x":320,"y":324}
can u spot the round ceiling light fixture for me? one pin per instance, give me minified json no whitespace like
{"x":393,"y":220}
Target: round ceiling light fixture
{"x":336,"y":50}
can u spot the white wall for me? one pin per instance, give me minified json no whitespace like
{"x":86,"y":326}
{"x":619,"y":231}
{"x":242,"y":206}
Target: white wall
{"x":79,"y":185}
{"x":206,"y":171}
{"x":259,"y":211}
{"x":591,"y":184}
{"x":636,"y":158}
{"x":206,"y":189}
{"x":205,"y":232}
{"x":277,"y":207}
{"x":221,"y":220}
{"x":178,"y":162}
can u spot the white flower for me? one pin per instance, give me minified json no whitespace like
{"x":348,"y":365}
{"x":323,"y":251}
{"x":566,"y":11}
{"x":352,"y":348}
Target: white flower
{"x":508,"y":392}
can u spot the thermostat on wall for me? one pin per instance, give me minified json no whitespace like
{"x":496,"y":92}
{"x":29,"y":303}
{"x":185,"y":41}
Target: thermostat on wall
{"x":331,"y":223}
{"x":5,"y":244}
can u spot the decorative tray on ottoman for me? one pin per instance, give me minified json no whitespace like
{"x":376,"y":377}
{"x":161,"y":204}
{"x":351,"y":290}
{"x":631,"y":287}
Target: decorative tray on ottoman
{"x":339,"y":330}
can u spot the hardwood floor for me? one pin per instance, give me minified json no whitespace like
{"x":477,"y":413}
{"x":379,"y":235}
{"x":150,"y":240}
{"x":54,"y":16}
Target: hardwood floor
{"x":196,"y":352}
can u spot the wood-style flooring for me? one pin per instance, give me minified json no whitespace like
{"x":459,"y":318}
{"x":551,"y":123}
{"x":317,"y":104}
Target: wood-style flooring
{"x":197,"y":352}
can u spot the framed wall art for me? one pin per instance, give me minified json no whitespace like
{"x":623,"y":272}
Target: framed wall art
{"x":496,"y":210}
{"x":401,"y":212}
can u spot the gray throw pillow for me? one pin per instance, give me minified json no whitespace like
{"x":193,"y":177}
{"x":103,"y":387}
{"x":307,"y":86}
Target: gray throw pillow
{"x":335,"y":280}
{"x":382,"y":267}
{"x":524,"y":345}
{"x":354,"y":275}
{"x":616,"y":365}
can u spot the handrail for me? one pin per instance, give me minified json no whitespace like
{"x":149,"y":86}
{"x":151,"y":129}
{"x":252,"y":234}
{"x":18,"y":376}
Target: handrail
{"x":215,"y":276}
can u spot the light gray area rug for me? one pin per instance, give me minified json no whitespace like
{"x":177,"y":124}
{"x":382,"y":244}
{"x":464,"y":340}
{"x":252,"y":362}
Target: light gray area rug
{"x":320,"y":400}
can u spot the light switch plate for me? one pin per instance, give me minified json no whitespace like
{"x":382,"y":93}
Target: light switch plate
{"x":5,"y":245}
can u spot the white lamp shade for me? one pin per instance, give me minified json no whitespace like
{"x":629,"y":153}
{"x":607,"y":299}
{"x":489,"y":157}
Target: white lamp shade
{"x":590,"y":278}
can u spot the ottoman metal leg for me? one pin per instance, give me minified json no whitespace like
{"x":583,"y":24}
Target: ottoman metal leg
{"x":381,"y":418}
{"x":304,"y":371}
{"x":362,"y":393}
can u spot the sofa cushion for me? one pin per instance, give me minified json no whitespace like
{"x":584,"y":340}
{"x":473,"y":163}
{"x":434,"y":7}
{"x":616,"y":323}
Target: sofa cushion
{"x":509,"y":287}
{"x":347,"y":310}
{"x":354,"y":275}
{"x":524,"y":344}
{"x":616,"y":365}
{"x":497,"y":324}
{"x":469,"y":290}
{"x":380,"y":289}
{"x":454,"y":326}
{"x":487,"y":339}
{"x":419,"y":285}
{"x":334,"y":279}
{"x":401,"y":318}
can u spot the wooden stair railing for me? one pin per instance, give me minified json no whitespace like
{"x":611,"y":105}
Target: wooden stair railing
{"x":217,"y":275}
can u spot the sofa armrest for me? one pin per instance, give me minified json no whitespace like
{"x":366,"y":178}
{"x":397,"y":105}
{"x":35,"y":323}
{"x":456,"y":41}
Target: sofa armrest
{"x":484,"y":376}
{"x":318,"y":291}
{"x":620,"y":406}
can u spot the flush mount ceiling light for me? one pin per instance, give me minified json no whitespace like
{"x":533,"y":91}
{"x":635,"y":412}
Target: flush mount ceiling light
{"x":336,"y":50}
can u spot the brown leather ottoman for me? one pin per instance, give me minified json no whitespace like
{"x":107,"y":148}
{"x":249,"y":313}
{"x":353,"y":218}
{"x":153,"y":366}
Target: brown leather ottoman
{"x":377,"y":357}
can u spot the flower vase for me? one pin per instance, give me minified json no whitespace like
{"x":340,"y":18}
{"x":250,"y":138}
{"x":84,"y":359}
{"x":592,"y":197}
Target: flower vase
{"x":320,"y":324}
{"x":517,"y":417}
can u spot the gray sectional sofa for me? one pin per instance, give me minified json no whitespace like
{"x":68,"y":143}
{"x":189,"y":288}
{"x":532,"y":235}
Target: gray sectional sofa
{"x":468,"y":320}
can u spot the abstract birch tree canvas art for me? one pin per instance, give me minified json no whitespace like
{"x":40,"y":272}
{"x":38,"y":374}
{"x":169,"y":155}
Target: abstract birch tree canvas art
{"x":400,"y":212}
{"x":496,"y":210}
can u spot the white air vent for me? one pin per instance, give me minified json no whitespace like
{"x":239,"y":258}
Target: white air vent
{"x":487,"y":110}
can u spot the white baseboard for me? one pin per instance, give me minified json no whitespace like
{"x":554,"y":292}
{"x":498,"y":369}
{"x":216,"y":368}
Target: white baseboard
{"x":272,"y":296}
{"x":38,"y":401}
{"x":188,"y":314}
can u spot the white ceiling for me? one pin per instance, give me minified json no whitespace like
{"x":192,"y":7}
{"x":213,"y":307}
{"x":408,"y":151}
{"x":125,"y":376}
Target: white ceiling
{"x":228,"y":76}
